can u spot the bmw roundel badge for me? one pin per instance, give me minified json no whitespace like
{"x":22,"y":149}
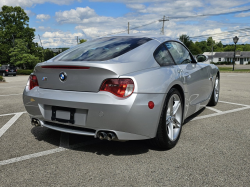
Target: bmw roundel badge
{"x":62,"y":76}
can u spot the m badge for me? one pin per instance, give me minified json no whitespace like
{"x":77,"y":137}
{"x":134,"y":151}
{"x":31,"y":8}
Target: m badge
{"x":44,"y":79}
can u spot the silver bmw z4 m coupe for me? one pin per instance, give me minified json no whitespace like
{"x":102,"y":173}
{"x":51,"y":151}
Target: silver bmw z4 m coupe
{"x":126,"y":87}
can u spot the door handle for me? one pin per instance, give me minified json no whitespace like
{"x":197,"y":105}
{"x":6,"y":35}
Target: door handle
{"x":210,"y":78}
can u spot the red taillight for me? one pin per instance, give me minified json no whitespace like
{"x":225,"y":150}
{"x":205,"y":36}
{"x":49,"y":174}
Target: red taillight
{"x":118,"y":87}
{"x":6,"y":70}
{"x":33,"y":82}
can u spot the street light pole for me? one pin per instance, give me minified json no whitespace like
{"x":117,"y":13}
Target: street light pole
{"x":235,"y":39}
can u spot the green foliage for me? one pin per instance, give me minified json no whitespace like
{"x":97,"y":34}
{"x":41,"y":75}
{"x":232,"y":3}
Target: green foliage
{"x":14,"y":25}
{"x":209,"y":44}
{"x":48,"y":54}
{"x":20,"y":56}
{"x":24,"y":71}
{"x":82,"y":41}
{"x":2,"y":79}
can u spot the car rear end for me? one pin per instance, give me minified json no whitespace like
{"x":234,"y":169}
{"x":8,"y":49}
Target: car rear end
{"x":91,"y":98}
{"x":10,"y":70}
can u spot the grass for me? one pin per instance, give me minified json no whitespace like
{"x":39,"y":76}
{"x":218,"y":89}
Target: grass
{"x":230,"y":70}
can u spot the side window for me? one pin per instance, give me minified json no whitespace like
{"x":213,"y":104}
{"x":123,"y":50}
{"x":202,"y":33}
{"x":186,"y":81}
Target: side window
{"x":163,"y":57}
{"x":179,"y":52}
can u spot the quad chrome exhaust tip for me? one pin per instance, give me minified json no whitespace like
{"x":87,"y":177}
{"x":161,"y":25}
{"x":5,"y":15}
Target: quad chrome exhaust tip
{"x":35,"y":122}
{"x":102,"y":136}
{"x":107,"y":136}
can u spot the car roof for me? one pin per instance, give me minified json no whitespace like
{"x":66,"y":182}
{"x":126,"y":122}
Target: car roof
{"x":160,"y":38}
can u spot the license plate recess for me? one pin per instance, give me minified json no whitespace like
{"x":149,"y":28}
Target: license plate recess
{"x":72,"y":114}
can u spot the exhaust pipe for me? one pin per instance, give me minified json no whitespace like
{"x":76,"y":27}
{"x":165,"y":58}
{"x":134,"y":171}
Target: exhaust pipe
{"x":35,"y":122}
{"x":111,"y":136}
{"x":102,"y":135}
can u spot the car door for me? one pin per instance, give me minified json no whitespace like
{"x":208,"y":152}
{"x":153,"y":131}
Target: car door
{"x":193,"y":76}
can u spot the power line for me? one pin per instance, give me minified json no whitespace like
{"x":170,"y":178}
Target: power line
{"x":222,"y":33}
{"x":176,"y":17}
{"x":129,"y":29}
{"x":203,"y":15}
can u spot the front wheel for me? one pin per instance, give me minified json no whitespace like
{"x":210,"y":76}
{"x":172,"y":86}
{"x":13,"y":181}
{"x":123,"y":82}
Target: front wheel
{"x":216,"y":91}
{"x":170,"y":124}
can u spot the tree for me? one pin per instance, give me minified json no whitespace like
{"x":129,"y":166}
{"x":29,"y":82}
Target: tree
{"x":210,"y":42}
{"x":14,"y":25}
{"x":185,"y":39}
{"x":19,"y":55}
{"x":194,"y":49}
{"x":48,"y":54}
{"x":82,"y":41}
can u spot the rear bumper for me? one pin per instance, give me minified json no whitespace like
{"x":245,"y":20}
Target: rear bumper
{"x":9,"y":73}
{"x":129,"y":118}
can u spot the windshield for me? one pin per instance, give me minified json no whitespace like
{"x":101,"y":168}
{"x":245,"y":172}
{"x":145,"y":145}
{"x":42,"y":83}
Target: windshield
{"x":103,"y":49}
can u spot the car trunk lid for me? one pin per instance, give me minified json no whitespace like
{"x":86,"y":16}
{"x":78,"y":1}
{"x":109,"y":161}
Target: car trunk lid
{"x":73,"y":77}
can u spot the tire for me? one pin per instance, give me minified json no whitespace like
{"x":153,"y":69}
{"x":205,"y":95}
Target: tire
{"x":4,"y":74}
{"x":216,"y":93}
{"x":14,"y":75}
{"x":170,"y":123}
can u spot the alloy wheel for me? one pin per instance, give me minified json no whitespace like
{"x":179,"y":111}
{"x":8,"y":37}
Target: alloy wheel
{"x":174,"y":117}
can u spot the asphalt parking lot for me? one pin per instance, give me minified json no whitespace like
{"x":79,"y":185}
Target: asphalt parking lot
{"x":213,"y":150}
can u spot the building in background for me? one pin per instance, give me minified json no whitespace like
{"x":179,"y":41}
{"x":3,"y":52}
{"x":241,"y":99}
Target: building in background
{"x":55,"y":50}
{"x":241,"y":57}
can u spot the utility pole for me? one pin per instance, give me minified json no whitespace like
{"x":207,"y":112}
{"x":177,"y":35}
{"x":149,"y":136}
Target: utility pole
{"x":77,"y":40}
{"x":128,"y":27}
{"x":163,"y":20}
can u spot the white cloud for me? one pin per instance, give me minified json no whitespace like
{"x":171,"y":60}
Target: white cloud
{"x":75,"y":15}
{"x":60,"y":38}
{"x":29,"y":3}
{"x":136,"y":6}
{"x":88,"y":24}
{"x":43,"y":17}
{"x":244,"y":14}
{"x":29,"y":13}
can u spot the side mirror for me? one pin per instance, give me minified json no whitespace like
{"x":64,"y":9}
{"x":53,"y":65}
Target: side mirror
{"x":201,"y":58}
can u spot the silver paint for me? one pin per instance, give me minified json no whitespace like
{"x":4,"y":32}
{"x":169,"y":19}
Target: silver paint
{"x":130,"y":118}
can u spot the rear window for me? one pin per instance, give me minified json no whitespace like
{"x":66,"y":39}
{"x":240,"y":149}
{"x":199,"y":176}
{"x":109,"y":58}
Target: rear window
{"x":102,"y":49}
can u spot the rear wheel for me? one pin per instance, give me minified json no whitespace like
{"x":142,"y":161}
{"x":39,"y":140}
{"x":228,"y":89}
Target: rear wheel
{"x":215,"y":95}
{"x":14,"y":75}
{"x":4,"y":74}
{"x":170,"y":124}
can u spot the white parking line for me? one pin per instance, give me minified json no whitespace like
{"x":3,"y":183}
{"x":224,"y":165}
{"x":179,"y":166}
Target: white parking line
{"x":12,"y":114}
{"x":10,"y":95}
{"x":35,"y":155}
{"x":9,"y":123}
{"x":64,"y":139}
{"x":213,"y":109}
{"x":44,"y":153}
{"x":220,"y":113}
{"x":234,"y":103}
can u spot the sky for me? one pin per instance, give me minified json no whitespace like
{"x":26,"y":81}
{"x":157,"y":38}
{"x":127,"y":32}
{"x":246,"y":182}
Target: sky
{"x":60,"y":22}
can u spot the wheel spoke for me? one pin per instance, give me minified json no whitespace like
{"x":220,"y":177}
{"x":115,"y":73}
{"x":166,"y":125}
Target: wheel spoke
{"x":170,"y":131}
{"x":177,"y":123}
{"x":176,"y":107}
{"x":170,"y":104}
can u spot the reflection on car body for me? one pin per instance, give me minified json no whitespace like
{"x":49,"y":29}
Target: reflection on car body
{"x":127,"y":87}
